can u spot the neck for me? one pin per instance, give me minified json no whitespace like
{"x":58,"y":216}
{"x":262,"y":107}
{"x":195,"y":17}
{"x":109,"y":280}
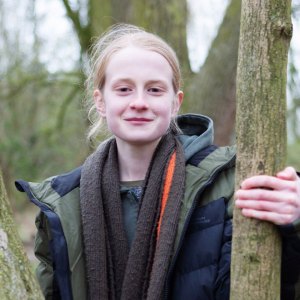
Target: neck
{"x":134,"y":160}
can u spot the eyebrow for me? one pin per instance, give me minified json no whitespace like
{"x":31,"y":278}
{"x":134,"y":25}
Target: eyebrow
{"x":151,"y":81}
{"x":157,"y":81}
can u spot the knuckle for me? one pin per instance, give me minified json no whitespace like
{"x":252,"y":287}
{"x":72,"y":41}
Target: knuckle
{"x":260,"y":194}
{"x":262,"y":206}
{"x":266,"y":181}
{"x":263,"y":180}
{"x":293,"y":186}
{"x":292,"y":200}
{"x":290,"y":210}
{"x":288,"y":219}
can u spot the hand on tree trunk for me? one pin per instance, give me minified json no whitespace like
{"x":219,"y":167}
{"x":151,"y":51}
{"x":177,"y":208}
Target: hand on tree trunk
{"x":279,"y":202}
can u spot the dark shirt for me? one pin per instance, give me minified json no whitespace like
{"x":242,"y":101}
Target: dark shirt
{"x":130,"y":196}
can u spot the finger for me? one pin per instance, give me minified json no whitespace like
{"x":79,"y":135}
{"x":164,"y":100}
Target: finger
{"x":278,"y":219}
{"x":268,"y":206}
{"x":268,"y":182}
{"x":261,"y":194}
{"x":288,"y":173}
{"x":284,"y":197}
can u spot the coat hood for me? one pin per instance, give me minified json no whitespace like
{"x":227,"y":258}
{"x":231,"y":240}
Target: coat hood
{"x":198,"y":133}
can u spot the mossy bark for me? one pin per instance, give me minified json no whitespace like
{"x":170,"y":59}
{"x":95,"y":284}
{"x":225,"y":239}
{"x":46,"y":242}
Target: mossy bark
{"x":17,"y":278}
{"x":265,"y":35}
{"x":213,"y":90}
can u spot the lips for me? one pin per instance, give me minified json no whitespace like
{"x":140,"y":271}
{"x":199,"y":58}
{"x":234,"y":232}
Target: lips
{"x":138,"y":121}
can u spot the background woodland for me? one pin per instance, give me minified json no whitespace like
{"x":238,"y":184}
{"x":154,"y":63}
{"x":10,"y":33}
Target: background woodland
{"x":42,"y":123}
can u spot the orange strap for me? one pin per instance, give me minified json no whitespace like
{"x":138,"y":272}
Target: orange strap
{"x":168,"y":182}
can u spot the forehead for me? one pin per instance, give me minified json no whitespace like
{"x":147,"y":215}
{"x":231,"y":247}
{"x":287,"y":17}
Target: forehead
{"x":137,"y":62}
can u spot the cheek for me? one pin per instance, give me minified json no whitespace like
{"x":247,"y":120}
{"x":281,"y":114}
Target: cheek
{"x":166,"y":109}
{"x":113,"y":115}
{"x":165,"y":116}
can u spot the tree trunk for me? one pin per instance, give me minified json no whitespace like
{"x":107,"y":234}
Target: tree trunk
{"x":266,"y":31}
{"x":212,"y":91}
{"x":100,"y":16}
{"x":17,"y":279}
{"x":167,"y":19}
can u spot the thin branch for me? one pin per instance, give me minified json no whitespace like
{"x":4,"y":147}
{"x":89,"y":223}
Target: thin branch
{"x":42,"y":80}
{"x":73,"y":15}
{"x":83,"y":33}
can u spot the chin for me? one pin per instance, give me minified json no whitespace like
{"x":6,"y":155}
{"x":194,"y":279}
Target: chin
{"x":140,"y":141}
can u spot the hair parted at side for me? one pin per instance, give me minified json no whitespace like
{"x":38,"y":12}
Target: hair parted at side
{"x":115,"y":38}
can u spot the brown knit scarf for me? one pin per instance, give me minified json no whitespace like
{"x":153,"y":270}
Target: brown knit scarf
{"x":113,"y":270}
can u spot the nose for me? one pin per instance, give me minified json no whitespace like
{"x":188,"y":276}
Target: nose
{"x":139,"y":102}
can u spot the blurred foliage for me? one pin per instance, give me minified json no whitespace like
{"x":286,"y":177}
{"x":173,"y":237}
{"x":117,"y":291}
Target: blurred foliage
{"x":293,"y":84}
{"x":293,"y":89}
{"x":32,"y":145}
{"x":294,"y":92}
{"x":293,"y":157}
{"x":42,"y":131}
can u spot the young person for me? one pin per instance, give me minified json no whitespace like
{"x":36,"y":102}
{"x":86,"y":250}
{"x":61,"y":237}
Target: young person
{"x":148,"y":215}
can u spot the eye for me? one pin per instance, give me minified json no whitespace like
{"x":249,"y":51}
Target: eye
{"x":124,"y":90}
{"x":155,"y":90}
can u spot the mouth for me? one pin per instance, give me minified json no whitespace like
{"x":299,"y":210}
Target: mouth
{"x":138,"y":121}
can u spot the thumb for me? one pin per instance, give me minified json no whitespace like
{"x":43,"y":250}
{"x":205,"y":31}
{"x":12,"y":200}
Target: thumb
{"x":289,"y":173}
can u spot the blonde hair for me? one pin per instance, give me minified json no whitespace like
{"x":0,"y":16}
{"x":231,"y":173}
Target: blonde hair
{"x":118,"y":37}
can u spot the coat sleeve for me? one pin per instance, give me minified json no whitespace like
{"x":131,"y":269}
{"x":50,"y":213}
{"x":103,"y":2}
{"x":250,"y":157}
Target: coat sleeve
{"x":222,"y":285}
{"x":290,"y":264}
{"x":44,"y":270}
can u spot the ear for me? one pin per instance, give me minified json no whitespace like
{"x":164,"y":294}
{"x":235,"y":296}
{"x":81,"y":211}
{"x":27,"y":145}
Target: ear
{"x":100,"y":104}
{"x":176,"y":104}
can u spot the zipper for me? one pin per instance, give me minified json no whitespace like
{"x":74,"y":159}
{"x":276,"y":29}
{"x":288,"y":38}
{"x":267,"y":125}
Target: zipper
{"x":187,"y":223}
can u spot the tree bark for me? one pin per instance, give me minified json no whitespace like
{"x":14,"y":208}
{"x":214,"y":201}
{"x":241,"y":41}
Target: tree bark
{"x":265,"y":35}
{"x":100,"y":16}
{"x":17,"y":279}
{"x":212,"y":91}
{"x":168,"y":19}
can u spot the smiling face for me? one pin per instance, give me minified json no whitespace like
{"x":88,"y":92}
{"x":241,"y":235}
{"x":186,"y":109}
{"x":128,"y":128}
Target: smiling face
{"x":138,"y":99}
